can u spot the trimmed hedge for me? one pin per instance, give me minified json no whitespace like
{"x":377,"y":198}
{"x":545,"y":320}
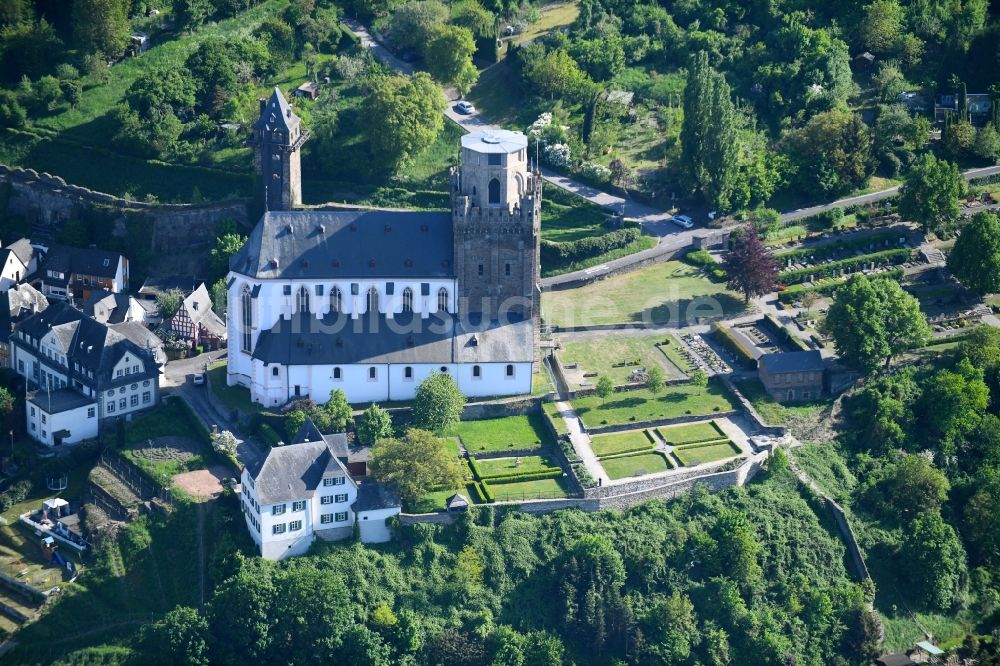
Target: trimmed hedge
{"x":793,"y":292}
{"x":488,"y":495}
{"x":786,"y":335}
{"x":726,"y":338}
{"x":851,"y":264}
{"x":476,"y":492}
{"x":526,"y":476}
{"x":641,"y":453}
{"x":830,"y":249}
{"x":702,"y":259}
{"x":701,"y":445}
{"x":556,"y":253}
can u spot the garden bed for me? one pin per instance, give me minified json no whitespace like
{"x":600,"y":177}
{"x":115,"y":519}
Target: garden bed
{"x":691,"y":433}
{"x":641,"y":464}
{"x":629,"y":441}
{"x":699,"y":454}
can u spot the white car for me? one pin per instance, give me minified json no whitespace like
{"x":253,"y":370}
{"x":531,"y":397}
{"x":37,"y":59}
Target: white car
{"x":465,"y":108}
{"x":682,"y":221}
{"x":199,"y":379}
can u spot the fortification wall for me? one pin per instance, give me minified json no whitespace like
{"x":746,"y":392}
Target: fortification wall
{"x":49,"y":201}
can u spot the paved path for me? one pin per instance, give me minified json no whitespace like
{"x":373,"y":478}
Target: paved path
{"x":581,"y":443}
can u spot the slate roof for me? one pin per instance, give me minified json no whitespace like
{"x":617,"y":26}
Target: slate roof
{"x":348,"y":244}
{"x":293,"y":472}
{"x":82,"y":261}
{"x":21,"y":249}
{"x":336,"y":339}
{"x":107,"y":307}
{"x":16,"y":303}
{"x":800,"y":361}
{"x":142,"y":337}
{"x":199,"y":308}
{"x":337,"y":442}
{"x":56,"y":402}
{"x":374,"y":497}
{"x":276,"y":114}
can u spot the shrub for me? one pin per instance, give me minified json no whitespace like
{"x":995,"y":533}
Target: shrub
{"x":794,"y":292}
{"x":16,"y":494}
{"x":476,"y":493}
{"x":269,"y":435}
{"x":730,"y":342}
{"x":515,"y":477}
{"x":555,"y":253}
{"x":488,"y":495}
{"x":849,"y":265}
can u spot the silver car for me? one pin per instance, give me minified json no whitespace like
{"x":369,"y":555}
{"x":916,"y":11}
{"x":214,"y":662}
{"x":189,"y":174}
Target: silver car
{"x":682,"y":221}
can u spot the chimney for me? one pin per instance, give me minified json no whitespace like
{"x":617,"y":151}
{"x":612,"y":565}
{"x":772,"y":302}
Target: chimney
{"x":263,"y":103}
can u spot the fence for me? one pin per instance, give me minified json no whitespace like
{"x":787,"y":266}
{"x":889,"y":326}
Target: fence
{"x":137,"y":480}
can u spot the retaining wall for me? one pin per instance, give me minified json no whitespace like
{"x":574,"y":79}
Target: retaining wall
{"x":746,"y":406}
{"x":639,"y":425}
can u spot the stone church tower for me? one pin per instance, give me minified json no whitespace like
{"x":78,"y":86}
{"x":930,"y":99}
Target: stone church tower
{"x":276,"y":140}
{"x":496,"y":207}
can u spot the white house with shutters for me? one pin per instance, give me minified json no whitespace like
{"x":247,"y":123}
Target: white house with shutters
{"x":302,"y":491}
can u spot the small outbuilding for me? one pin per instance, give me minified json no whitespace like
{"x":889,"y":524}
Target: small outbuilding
{"x":792,"y":376}
{"x":457,"y":502}
{"x":309,"y":89}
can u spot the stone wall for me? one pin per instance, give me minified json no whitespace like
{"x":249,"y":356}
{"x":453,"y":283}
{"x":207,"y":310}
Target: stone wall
{"x":520,"y":406}
{"x":639,"y":425}
{"x":48,"y":201}
{"x":850,"y":541}
{"x":765,"y":427}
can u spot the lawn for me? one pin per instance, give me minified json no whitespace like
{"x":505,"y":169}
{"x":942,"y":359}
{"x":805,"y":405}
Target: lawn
{"x":567,"y":217}
{"x":799,"y":416}
{"x":602,"y":354}
{"x":640,"y":465}
{"x":641,"y":405}
{"x":519,"y":465}
{"x":553,"y":15}
{"x":171,"y":417}
{"x":552,"y":411}
{"x":671,"y":293}
{"x":698,"y":454}
{"x":510,"y":432}
{"x":671,"y":348}
{"x":231,"y":397}
{"x":528,"y":490}
{"x":437,"y":500}
{"x":691,"y":433}
{"x":620,"y":442}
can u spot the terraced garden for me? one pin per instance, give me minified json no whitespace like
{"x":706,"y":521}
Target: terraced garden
{"x":621,"y":442}
{"x":691,"y":433}
{"x":616,"y":357}
{"x":641,"y":464}
{"x":699,"y":454}
{"x":641,"y":405}
{"x":514,"y":433}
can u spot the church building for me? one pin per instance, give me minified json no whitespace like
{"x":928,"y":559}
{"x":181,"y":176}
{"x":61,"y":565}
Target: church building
{"x":374,"y":301}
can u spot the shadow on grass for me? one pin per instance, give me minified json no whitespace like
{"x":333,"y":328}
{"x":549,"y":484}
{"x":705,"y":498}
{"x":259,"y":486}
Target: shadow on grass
{"x":688,"y":311}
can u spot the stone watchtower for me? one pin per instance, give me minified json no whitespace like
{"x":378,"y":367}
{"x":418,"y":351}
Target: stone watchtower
{"x":496,"y":206}
{"x":276,"y":140}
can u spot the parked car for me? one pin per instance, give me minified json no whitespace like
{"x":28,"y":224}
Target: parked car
{"x":465,"y":108}
{"x":682,"y":221}
{"x":714,"y":214}
{"x":199,"y":379}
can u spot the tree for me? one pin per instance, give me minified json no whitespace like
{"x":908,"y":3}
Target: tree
{"x":226,"y":245}
{"x":403,"y":116}
{"x":415,"y":464}
{"x":72,"y":91}
{"x":605,"y":387}
{"x":930,"y":192}
{"x":182,"y":635}
{"x":101,"y":25}
{"x":293,"y":421}
{"x":934,"y":562}
{"x":468,"y":570}
{"x":335,"y":415}
{"x":374,"y":424}
{"x":413,"y":23}
{"x":556,"y":75}
{"x":671,"y":630}
{"x":192,"y":13}
{"x":169,"y":302}
{"x":882,"y":25}
{"x":12,"y":114}
{"x":975,"y":259}
{"x":438,"y":403}
{"x":952,"y":405}
{"x":448,"y":54}
{"x":225,"y":442}
{"x":621,"y":175}
{"x":737,"y":548}
{"x":219,"y":294}
{"x":699,"y":378}
{"x":588,"y":579}
{"x":987,"y":144}
{"x":958,"y":138}
{"x":872,"y":320}
{"x":655,"y":379}
{"x":750,"y":266}
{"x":831,"y":153}
{"x":910,"y":487}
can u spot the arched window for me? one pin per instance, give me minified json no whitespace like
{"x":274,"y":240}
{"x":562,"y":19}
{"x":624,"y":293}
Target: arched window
{"x":372,"y":374}
{"x":494,"y":191}
{"x":274,"y":371}
{"x":510,"y":371}
{"x":407,"y":300}
{"x":372,"y":300}
{"x":336,"y":300}
{"x":336,"y":374}
{"x":246,"y":312}
{"x":442,"y":300}
{"x":302,"y":300}
{"x":476,"y":372}
{"x":407,"y":372}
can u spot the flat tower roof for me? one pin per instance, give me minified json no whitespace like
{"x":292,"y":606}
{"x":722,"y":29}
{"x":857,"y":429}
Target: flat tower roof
{"x":495,"y":141}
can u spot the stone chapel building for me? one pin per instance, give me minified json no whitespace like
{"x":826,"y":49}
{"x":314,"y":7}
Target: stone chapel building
{"x":373,"y":301}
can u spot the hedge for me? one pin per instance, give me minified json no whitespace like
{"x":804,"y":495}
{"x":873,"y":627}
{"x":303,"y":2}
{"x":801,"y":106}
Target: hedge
{"x":830,"y":249}
{"x":488,"y":495}
{"x":785,"y":334}
{"x":702,"y":259}
{"x":16,"y":494}
{"x":641,"y":453}
{"x":525,"y":476}
{"x":793,"y":292}
{"x":849,"y":265}
{"x":556,"y":253}
{"x":701,"y":445}
{"x":729,"y":341}
{"x":476,"y":492}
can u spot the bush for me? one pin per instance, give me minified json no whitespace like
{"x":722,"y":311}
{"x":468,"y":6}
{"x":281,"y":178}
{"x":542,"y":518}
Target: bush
{"x":729,"y":341}
{"x":849,"y":265}
{"x":795,"y":291}
{"x":269,"y":435}
{"x":515,"y":477}
{"x":476,"y":493}
{"x":555,"y":253}
{"x":840,"y":246}
{"x":702,"y":259}
{"x":16,"y":494}
{"x":488,"y":495}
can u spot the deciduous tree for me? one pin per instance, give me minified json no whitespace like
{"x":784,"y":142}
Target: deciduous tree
{"x":374,"y":424}
{"x":930,"y":191}
{"x":750,"y":266}
{"x":975,"y":259}
{"x":438,"y":403}
{"x":415,"y":464}
{"x":101,"y":25}
{"x":403,"y":116}
{"x":605,"y":387}
{"x":934,"y":562}
{"x":448,"y":53}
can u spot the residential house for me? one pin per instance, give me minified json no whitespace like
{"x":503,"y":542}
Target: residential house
{"x":309,"y":90}
{"x":76,"y":272}
{"x":792,"y":376}
{"x":19,"y":261}
{"x":980,"y":106}
{"x":196,"y":322}
{"x":83,"y":374}
{"x":110,"y":308}
{"x":16,"y":304}
{"x":302,"y":491}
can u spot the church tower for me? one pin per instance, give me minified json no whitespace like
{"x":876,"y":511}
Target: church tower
{"x":276,"y":140}
{"x":496,"y":208}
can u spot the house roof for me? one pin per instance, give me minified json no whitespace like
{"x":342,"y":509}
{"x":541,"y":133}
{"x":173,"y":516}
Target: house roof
{"x":155,"y":285}
{"x":21,"y":249}
{"x":63,"y":400}
{"x":16,"y":303}
{"x":457,"y":501}
{"x":293,"y":472}
{"x":199,"y":308}
{"x":84,"y":261}
{"x":107,"y":307}
{"x":348,"y":244}
{"x":800,"y":361}
{"x":374,"y":496}
{"x":336,"y":339}
{"x":494,"y":141}
{"x":142,"y":337}
{"x":277,"y":114}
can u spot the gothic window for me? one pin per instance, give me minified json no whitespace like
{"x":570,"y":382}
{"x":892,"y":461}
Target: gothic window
{"x":336,"y":374}
{"x":302,"y":300}
{"x":247,"y":319}
{"x":336,"y":300}
{"x":442,"y":300}
{"x":494,"y":191}
{"x":274,"y":371}
{"x":372,"y":300}
{"x":407,"y":300}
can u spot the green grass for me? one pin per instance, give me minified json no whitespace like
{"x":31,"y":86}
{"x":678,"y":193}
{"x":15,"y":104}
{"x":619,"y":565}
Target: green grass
{"x":629,"y":466}
{"x":169,"y":418}
{"x":697,"y":454}
{"x":437,"y":500}
{"x":231,"y":397}
{"x":567,"y":217}
{"x":641,"y":405}
{"x":504,"y":466}
{"x":620,"y":442}
{"x":825,"y":465}
{"x":691,"y":433}
{"x":802,"y":415}
{"x":671,"y":348}
{"x":527,"y":490}
{"x":553,"y":15}
{"x":638,"y":245}
{"x":667,"y":293}
{"x":601,"y":354}
{"x":557,"y":421}
{"x":510,"y":432}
